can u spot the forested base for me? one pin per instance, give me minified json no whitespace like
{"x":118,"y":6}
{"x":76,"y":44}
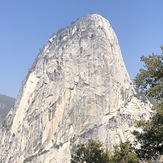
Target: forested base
{"x":93,"y":152}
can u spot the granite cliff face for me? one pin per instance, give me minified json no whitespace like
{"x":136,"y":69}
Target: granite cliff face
{"x":77,"y":89}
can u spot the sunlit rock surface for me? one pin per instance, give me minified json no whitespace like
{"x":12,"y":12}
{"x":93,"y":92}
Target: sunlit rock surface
{"x":77,"y":89}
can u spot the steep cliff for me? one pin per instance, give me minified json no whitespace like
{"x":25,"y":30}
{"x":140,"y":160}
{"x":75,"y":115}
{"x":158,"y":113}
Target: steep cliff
{"x":77,"y":89}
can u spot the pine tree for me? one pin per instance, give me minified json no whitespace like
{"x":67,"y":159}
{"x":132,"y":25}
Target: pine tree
{"x":150,"y":81}
{"x":93,"y":152}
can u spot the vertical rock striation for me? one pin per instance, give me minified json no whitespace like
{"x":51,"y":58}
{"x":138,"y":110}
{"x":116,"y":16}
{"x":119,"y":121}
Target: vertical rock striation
{"x":77,"y":89}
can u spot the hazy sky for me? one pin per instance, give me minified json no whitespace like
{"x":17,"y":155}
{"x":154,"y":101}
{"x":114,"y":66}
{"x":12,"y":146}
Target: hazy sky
{"x":26,"y":25}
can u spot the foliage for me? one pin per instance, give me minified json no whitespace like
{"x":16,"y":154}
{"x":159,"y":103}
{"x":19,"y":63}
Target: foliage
{"x":90,"y":152}
{"x":93,"y":152}
{"x":150,"y":81}
{"x":150,"y":78}
{"x":124,"y":154}
{"x":151,"y":139}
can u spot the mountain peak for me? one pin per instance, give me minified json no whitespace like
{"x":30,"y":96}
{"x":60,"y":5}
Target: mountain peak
{"x":77,"y":89}
{"x":95,"y":17}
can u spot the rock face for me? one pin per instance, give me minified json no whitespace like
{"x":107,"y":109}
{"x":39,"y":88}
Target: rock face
{"x":77,"y":89}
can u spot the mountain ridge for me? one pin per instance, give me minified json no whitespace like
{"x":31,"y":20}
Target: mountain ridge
{"x":6,"y":103}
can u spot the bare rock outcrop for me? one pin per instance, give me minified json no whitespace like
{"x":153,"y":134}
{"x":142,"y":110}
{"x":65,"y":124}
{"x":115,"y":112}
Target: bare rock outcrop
{"x":77,"y":89}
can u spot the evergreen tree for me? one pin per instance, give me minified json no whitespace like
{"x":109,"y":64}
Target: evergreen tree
{"x":93,"y":152}
{"x":150,"y":78}
{"x":150,"y":81}
{"x":124,"y":153}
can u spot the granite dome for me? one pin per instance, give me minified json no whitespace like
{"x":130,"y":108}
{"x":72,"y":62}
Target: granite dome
{"x":77,"y":89}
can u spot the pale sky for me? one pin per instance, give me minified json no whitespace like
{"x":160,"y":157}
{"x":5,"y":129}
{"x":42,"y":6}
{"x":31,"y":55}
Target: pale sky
{"x":26,"y":25}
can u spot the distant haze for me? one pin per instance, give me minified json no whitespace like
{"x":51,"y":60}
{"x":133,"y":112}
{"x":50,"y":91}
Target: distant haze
{"x":6,"y":103}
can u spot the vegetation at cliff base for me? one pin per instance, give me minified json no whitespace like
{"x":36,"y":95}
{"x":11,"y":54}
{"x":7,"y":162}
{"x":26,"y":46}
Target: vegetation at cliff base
{"x":94,"y":152}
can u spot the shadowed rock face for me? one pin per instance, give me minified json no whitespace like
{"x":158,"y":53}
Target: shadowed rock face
{"x":77,"y":89}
